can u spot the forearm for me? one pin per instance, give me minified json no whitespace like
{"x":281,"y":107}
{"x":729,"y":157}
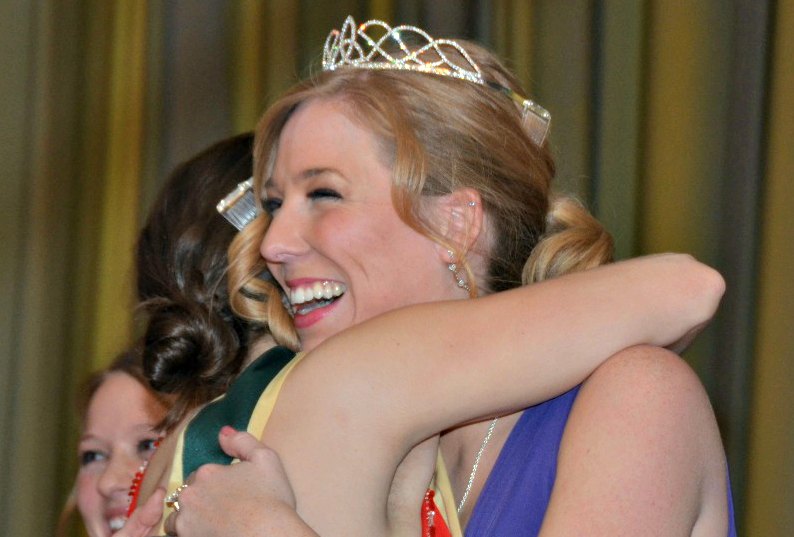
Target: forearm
{"x":513,"y":349}
{"x":655,"y":300}
{"x":553,"y":335}
{"x":281,"y":519}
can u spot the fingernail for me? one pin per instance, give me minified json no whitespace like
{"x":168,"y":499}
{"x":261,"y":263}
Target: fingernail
{"x":227,"y":430}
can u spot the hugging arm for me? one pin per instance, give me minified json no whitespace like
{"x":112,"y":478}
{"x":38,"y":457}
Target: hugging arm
{"x":371,"y":385}
{"x":146,"y":517}
{"x":257,"y":481}
{"x":508,"y":350}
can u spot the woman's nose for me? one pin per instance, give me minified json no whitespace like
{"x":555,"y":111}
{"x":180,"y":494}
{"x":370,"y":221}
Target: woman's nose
{"x":284,"y":237}
{"x":118,"y":474}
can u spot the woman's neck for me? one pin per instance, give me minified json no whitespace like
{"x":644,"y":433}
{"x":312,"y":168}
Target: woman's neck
{"x":258,"y":347}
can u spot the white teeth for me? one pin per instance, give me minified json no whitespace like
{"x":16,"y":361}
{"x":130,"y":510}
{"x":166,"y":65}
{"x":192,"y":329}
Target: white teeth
{"x":298,"y":296}
{"x":327,"y":291}
{"x":316,"y":291}
{"x":116,"y":523}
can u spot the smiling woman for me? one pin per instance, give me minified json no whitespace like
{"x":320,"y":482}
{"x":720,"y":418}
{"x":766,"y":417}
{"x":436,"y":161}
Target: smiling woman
{"x":401,"y":190}
{"x":120,"y":419}
{"x":330,"y":226}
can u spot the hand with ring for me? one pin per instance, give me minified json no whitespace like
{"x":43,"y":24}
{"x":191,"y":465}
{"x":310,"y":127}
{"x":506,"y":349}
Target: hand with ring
{"x":252,"y":497}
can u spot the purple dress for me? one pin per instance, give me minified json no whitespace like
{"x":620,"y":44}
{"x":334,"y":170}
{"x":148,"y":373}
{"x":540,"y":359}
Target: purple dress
{"x":517,"y":492}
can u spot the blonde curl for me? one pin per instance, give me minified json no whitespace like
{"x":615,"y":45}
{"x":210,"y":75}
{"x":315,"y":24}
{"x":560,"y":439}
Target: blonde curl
{"x":252,"y":297}
{"x":574,"y":240}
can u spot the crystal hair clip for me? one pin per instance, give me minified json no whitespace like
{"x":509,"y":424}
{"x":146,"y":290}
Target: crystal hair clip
{"x":353,"y":46}
{"x":239,"y":206}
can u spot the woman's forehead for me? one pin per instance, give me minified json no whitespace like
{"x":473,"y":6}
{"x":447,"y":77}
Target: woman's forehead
{"x":321,"y":135}
{"x":122,"y":401}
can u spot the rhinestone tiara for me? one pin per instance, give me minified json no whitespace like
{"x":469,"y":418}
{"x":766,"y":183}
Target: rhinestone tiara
{"x":342,"y":48}
{"x":353,"y":46}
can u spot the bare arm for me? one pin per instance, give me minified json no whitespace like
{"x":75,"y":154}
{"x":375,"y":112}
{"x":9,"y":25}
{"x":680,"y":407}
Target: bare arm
{"x":146,"y":517}
{"x":508,"y":350}
{"x":258,"y":481}
{"x":359,"y":402}
{"x":365,"y":397}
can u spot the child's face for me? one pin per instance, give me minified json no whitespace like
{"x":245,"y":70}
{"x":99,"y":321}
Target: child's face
{"x":118,"y":437}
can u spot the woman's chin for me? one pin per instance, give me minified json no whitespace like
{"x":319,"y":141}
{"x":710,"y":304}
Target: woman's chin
{"x":98,"y":529}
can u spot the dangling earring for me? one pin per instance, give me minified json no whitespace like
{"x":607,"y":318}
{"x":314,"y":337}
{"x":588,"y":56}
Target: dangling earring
{"x":453,"y":268}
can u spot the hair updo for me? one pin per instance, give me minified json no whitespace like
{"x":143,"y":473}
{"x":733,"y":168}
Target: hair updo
{"x":193,"y":343}
{"x":440,"y":134}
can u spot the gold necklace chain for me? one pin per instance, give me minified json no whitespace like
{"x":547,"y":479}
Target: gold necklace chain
{"x":473,"y":473}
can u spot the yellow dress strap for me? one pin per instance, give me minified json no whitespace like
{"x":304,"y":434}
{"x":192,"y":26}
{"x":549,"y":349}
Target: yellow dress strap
{"x":264,"y":407}
{"x":444,"y":497}
{"x":256,"y":424}
{"x":175,"y":476}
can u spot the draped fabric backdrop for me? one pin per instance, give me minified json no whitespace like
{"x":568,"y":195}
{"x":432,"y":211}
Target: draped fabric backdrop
{"x":673,"y":120}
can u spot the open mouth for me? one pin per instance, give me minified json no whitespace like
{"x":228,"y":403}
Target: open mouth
{"x":306,"y":298}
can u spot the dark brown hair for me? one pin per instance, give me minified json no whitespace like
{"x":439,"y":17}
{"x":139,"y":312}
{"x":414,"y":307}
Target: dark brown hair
{"x":193,"y":344}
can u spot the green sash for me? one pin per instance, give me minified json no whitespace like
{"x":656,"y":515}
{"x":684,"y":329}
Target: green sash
{"x":234,"y":409}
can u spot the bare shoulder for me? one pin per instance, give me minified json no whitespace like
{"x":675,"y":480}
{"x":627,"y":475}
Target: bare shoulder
{"x":651,"y":379}
{"x":652,"y":395}
{"x":641,"y":452}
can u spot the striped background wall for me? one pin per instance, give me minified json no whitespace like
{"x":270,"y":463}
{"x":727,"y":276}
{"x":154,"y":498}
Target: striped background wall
{"x":673,"y":119}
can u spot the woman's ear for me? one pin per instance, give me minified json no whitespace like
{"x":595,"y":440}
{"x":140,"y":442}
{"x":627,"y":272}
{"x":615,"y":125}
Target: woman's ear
{"x":460,"y":220}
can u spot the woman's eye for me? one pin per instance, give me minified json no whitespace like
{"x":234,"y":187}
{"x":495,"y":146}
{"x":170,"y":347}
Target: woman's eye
{"x":271,"y":205}
{"x":147,"y":446}
{"x":90,"y":456}
{"x":321,"y":193}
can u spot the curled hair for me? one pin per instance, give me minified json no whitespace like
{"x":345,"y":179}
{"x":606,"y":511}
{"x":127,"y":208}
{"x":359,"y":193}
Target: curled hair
{"x":193,"y":343}
{"x":438,"y":135}
{"x":253,"y":297}
{"x":574,"y":241}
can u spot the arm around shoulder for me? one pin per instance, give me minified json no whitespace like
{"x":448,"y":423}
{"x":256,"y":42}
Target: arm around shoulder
{"x":641,"y":453}
{"x":702,"y":287}
{"x":511,"y":349}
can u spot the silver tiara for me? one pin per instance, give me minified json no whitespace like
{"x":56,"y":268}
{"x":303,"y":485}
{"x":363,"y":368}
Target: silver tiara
{"x":353,"y":46}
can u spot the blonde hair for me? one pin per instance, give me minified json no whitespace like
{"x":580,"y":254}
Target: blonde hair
{"x":439,"y":135}
{"x":252,"y":297}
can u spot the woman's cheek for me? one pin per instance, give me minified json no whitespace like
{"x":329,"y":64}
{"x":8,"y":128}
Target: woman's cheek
{"x":89,"y":501}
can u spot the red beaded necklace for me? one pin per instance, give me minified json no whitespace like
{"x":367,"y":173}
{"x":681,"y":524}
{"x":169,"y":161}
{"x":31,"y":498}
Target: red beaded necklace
{"x":135,"y":487}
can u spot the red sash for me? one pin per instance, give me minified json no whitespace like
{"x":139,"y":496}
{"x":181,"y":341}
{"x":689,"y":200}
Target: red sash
{"x":433,"y":524}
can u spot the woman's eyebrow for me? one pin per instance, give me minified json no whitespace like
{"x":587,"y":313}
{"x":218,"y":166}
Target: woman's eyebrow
{"x":305,"y":175}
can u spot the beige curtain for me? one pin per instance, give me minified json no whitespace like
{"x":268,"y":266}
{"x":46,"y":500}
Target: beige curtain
{"x":672,"y":119}
{"x":770,"y":490}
